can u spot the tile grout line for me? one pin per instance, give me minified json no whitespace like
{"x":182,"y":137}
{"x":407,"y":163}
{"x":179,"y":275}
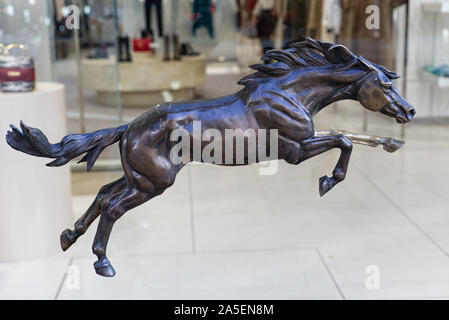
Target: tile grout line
{"x":64,"y":277}
{"x":192,"y":214}
{"x":239,"y":251}
{"x":329,"y":272}
{"x":404,"y":214}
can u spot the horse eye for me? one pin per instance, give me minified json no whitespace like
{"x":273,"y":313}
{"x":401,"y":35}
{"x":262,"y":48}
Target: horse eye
{"x":387,"y":85}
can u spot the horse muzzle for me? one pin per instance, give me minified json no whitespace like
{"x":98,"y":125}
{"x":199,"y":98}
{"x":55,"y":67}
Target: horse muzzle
{"x":403,"y":113}
{"x":406,"y":115}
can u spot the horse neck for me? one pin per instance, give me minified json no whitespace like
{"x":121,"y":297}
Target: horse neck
{"x":317,"y":88}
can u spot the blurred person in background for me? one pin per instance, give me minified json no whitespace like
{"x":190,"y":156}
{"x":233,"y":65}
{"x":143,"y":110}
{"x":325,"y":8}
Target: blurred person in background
{"x":203,"y":11}
{"x":265,"y":18}
{"x":295,"y":19}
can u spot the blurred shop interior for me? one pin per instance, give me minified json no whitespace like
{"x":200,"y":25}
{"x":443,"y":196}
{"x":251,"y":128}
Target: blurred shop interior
{"x":199,"y":48}
{"x":217,"y":39}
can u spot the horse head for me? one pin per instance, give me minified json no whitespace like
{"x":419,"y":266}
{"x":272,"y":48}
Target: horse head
{"x":377,"y":93}
{"x":372,"y":83}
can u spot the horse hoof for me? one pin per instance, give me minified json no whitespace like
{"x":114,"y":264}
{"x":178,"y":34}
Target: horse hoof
{"x":104,"y":268}
{"x":66,"y":239}
{"x":325,"y":185}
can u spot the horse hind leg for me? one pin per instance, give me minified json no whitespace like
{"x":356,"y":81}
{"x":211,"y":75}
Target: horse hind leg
{"x":115,"y":206}
{"x":138,"y":190}
{"x":148,"y":174}
{"x":68,"y":237}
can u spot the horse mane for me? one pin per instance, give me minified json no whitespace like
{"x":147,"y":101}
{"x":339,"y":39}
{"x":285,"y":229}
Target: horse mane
{"x":304,"y":54}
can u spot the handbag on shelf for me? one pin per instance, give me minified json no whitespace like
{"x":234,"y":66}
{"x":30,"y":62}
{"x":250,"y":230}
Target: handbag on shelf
{"x":17,"y":73}
{"x":142,"y":45}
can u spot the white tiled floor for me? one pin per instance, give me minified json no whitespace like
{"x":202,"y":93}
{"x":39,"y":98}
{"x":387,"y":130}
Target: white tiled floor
{"x":231,"y":233}
{"x":276,"y":274}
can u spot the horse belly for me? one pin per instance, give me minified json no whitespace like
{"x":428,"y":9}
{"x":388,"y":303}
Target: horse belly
{"x":230,"y":139}
{"x":250,"y":148}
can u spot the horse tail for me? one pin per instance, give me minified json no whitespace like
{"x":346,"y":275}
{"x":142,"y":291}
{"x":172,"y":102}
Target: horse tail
{"x":33,"y":142}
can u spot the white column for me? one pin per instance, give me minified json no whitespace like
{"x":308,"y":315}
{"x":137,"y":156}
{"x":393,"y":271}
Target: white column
{"x":35,"y":200}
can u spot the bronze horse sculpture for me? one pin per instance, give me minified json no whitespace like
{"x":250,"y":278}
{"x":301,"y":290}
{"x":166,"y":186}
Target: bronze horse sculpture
{"x":284,"y":95}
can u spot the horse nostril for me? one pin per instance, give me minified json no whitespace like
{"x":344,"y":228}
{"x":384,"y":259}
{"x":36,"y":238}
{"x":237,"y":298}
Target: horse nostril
{"x":411,"y":113}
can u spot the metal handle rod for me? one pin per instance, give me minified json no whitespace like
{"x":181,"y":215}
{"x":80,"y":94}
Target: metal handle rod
{"x":389,"y":144}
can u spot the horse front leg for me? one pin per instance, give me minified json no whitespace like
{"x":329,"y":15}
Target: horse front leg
{"x":318,"y":145}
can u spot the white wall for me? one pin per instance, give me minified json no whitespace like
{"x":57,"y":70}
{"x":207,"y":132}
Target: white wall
{"x":132,"y":17}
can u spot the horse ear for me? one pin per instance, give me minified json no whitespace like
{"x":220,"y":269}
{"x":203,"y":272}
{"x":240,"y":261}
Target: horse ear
{"x":342,"y":52}
{"x":390,"y":74}
{"x":349,"y":66}
{"x":365,"y":64}
{"x":393,"y":75}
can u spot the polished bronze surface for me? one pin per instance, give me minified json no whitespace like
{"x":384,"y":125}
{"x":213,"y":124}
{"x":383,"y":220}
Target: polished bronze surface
{"x":284,"y":95}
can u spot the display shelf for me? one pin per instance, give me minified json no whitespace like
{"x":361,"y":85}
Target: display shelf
{"x":440,"y":82}
{"x":436,"y":7}
{"x":137,"y":85}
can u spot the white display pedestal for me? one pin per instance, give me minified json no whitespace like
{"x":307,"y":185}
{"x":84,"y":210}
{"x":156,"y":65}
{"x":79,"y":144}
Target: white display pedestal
{"x":35,"y":200}
{"x":141,"y":83}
